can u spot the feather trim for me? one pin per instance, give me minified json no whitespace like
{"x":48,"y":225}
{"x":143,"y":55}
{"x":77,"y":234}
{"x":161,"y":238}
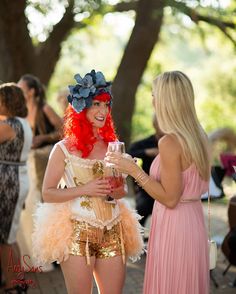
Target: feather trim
{"x":132,"y":231}
{"x":52,"y":232}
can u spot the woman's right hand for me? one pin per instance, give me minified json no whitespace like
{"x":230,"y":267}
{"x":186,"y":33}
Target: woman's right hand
{"x":98,"y":187}
{"x":124,"y":163}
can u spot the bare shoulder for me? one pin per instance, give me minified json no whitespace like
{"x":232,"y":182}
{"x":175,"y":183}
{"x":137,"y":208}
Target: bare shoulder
{"x":169,"y":143}
{"x":169,"y":148}
{"x":5,"y":127}
{"x":6,"y":132}
{"x":71,"y":149}
{"x":68,"y":143}
{"x":57,"y":152}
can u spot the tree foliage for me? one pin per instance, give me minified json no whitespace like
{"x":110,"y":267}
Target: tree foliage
{"x":39,"y":54}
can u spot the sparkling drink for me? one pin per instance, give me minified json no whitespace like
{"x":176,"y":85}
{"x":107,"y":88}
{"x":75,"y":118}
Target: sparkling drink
{"x":114,"y":177}
{"x":115,"y":182}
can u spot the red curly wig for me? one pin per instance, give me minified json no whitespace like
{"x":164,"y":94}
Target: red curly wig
{"x":79,"y":130}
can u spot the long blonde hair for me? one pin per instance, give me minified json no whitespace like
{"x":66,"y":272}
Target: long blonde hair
{"x":174,"y":104}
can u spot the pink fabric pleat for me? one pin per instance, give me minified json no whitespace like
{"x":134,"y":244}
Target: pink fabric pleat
{"x":177,"y":257}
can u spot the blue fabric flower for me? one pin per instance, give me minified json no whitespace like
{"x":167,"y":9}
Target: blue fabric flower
{"x":82,"y":94}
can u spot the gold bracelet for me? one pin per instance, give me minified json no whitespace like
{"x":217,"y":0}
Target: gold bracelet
{"x":142,"y":179}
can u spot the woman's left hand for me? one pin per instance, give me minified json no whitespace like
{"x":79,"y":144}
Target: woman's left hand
{"x":124,"y":163}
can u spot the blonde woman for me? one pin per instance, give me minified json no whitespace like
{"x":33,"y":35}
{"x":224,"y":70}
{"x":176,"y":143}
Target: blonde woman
{"x":177,"y":260}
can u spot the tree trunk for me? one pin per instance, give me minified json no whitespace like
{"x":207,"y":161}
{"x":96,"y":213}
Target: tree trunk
{"x":18,"y":55}
{"x":16,"y":49}
{"x":144,"y":36}
{"x":49,"y":51}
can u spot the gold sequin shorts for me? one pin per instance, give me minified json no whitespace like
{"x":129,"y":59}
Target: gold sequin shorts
{"x":88,"y":240}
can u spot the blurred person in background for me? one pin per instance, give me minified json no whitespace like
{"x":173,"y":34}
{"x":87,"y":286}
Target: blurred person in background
{"x":44,"y":121}
{"x":62,"y":99}
{"x":46,"y":127}
{"x":15,"y":144}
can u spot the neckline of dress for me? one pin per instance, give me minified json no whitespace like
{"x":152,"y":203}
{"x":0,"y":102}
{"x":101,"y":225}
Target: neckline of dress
{"x":191,"y":165}
{"x":85,"y":159}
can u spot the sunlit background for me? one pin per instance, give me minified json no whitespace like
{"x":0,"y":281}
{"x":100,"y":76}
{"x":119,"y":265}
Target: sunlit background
{"x":201,"y":51}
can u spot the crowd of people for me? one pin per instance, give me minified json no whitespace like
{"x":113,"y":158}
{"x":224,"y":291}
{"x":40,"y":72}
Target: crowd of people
{"x":83,"y":221}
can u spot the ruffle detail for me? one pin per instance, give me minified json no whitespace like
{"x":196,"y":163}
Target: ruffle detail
{"x":51,"y":238}
{"x":52,"y":232}
{"x":132,"y":231}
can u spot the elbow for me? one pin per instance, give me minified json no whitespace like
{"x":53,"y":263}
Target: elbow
{"x":172,"y":202}
{"x":45,"y":197}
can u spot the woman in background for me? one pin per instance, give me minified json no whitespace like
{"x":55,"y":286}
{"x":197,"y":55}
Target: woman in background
{"x":177,"y":258}
{"x":15,"y":144}
{"x":44,"y":121}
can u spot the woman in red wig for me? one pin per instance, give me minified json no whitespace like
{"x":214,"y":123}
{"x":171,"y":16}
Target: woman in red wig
{"x":90,"y":236}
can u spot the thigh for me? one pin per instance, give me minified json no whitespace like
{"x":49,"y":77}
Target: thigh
{"x":109,"y":274}
{"x":78,"y":275}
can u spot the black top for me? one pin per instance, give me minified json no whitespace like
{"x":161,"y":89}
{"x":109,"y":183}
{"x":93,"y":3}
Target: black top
{"x":137,"y":150}
{"x":48,"y":126}
{"x":49,"y":129}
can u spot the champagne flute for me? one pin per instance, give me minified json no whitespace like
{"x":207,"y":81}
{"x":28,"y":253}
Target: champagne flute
{"x":115,"y":179}
{"x":116,"y":146}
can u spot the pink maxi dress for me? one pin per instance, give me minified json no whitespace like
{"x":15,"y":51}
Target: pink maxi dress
{"x":177,"y":257}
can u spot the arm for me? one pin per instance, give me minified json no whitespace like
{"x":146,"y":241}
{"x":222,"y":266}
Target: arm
{"x":169,"y":190}
{"x":53,"y":174}
{"x":120,"y":192}
{"x":6,"y":132}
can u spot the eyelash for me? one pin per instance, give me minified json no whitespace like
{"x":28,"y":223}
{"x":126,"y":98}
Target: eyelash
{"x":98,"y":104}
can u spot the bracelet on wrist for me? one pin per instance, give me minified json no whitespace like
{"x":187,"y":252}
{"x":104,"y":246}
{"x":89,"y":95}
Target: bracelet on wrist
{"x":142,"y":178}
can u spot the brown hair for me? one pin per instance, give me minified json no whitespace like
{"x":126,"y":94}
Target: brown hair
{"x":12,"y":98}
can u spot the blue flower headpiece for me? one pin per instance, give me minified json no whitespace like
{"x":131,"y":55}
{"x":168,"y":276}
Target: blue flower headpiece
{"x":82,"y":94}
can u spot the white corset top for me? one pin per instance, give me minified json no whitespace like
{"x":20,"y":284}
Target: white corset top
{"x":94,"y":210}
